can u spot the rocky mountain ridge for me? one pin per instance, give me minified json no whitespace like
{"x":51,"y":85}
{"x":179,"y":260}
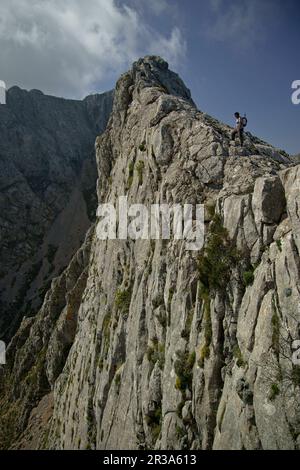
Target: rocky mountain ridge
{"x":179,"y":349}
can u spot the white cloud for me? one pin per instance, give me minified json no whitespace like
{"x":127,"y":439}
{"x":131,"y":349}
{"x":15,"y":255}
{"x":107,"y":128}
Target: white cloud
{"x":156,"y":7}
{"x":68,"y":47}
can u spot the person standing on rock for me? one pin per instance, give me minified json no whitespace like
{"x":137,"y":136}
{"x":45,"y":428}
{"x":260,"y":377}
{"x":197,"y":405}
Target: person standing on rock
{"x":239,"y":128}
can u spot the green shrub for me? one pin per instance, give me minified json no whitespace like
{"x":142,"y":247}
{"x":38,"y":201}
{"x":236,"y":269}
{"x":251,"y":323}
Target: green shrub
{"x":274,"y":392}
{"x":238,"y":355}
{"x":150,"y":353}
{"x":170,"y":297}
{"x":218,"y":257}
{"x":179,"y":409}
{"x":275,"y":332}
{"x":204,"y":354}
{"x":123,"y":300}
{"x":139,"y":169}
{"x":191,"y":360}
{"x":118,"y":382}
{"x":162,"y":318}
{"x":187,"y":328}
{"x":211,"y":210}
{"x":184,"y":370}
{"x":180,"y":432}
{"x":142,"y":147}
{"x":154,"y":421}
{"x":130,"y":174}
{"x":156,"y":429}
{"x":157,"y":301}
{"x":248,"y":278}
{"x":156,"y":353}
{"x":205,"y":349}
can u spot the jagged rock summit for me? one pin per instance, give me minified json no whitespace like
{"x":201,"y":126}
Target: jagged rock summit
{"x":179,"y":349}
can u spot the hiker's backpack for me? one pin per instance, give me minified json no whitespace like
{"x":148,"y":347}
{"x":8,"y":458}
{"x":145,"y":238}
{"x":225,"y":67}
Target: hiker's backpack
{"x":244,"y":121}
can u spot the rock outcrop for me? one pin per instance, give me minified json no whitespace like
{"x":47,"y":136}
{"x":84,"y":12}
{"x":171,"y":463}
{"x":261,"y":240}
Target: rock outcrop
{"x":297,"y":158}
{"x":180,"y":349}
{"x":47,"y":192}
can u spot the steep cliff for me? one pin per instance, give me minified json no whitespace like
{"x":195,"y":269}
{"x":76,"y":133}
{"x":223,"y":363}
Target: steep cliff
{"x":178,"y":349}
{"x":47,"y":187}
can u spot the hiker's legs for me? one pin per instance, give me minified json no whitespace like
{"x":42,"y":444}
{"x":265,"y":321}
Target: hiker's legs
{"x":241,"y":135}
{"x":233,"y":134}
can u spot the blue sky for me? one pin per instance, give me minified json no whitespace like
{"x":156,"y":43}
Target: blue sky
{"x":233,"y":54}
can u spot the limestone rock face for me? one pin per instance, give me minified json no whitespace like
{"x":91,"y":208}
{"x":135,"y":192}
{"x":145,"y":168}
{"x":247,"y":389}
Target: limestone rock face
{"x":268,"y":200}
{"x":178,"y":349}
{"x":47,"y":180}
